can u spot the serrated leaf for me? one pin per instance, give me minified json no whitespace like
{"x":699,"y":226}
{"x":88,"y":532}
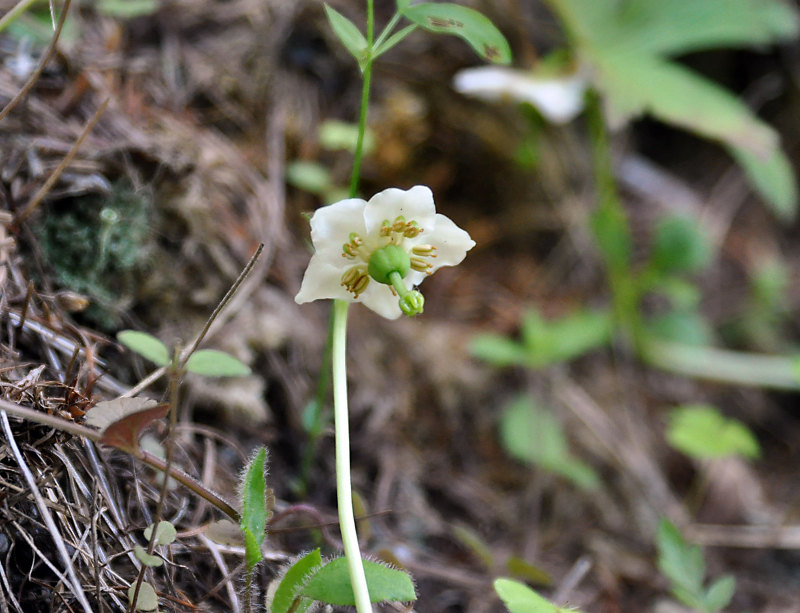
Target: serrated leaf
{"x":772,"y":177}
{"x":331,"y":584}
{"x":146,"y":345}
{"x":532,"y":435}
{"x":213,"y":363}
{"x":145,"y":558}
{"x":165,"y":534}
{"x":292,"y":584}
{"x":348,"y":33}
{"x":254,"y":508}
{"x":701,"y":431}
{"x":519,"y":598}
{"x":147,"y":599}
{"x":467,"y":23}
{"x":719,"y":593}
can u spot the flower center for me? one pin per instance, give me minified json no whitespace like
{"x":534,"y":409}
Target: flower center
{"x":386,"y":259}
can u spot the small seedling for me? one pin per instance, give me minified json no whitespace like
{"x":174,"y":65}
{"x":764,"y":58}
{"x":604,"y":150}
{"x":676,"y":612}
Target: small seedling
{"x":684,"y":566}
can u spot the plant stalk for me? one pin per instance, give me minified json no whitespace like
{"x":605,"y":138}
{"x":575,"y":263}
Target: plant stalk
{"x":347,"y":522}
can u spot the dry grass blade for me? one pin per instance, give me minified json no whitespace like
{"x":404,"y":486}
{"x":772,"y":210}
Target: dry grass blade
{"x":46,"y":516}
{"x":42,"y":63}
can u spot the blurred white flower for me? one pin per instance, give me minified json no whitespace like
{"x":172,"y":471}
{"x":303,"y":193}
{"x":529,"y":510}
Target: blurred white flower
{"x":558,"y":99}
{"x":376,"y":252}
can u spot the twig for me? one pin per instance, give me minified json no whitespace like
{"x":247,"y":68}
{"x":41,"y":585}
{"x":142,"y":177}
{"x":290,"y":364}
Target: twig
{"x":42,"y":62}
{"x":48,"y":185}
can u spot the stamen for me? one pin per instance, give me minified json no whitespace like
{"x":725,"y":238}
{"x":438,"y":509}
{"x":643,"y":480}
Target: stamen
{"x":421,"y":265}
{"x":355,"y":280}
{"x":424,"y":250}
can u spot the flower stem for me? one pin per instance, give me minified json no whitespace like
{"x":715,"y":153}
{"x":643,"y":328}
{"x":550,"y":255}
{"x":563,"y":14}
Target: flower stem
{"x":347,"y":522}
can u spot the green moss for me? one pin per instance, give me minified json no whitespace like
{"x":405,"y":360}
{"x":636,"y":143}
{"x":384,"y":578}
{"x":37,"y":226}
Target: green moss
{"x":99,"y":246}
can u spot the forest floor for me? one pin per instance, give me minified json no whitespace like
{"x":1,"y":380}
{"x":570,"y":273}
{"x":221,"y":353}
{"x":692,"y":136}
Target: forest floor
{"x":209,"y":105}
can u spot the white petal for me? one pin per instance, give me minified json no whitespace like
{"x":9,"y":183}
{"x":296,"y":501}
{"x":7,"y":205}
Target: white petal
{"x":331,"y":225}
{"x":451,"y":242}
{"x":559,"y":99}
{"x":322,"y":280}
{"x":380,"y":299}
{"x":414,"y":204}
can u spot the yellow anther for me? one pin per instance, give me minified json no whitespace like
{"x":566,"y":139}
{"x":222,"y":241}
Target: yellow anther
{"x":355,"y":280}
{"x":424,"y":250}
{"x":348,"y":251}
{"x":420,"y":265}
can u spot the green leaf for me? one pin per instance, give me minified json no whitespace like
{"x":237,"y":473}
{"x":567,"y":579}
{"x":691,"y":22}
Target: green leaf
{"x":560,"y":340}
{"x":309,"y":176}
{"x":213,"y":363}
{"x":701,"y":431}
{"x":532,"y":435}
{"x":145,"y":345}
{"x":719,"y":593}
{"x":519,"y":598}
{"x":331,"y":584}
{"x":147,"y":599}
{"x":524,"y":569}
{"x":686,"y":327}
{"x":348,"y":33}
{"x":610,"y":228}
{"x":772,"y":177}
{"x":292,"y":583}
{"x":254,"y":508}
{"x":342,"y":135}
{"x":393,"y":40}
{"x":498,"y":350}
{"x":402,"y":5}
{"x":127,"y":9}
{"x":679,"y":561}
{"x":145,"y":558}
{"x":469,"y":24}
{"x":680,"y":246}
{"x":165,"y":535}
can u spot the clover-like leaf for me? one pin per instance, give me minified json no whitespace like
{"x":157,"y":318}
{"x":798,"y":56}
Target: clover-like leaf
{"x":145,"y":558}
{"x":331,"y":584}
{"x":147,"y":599}
{"x":146,"y":345}
{"x":469,"y":24}
{"x":165,"y":534}
{"x":213,"y":363}
{"x":701,"y":431}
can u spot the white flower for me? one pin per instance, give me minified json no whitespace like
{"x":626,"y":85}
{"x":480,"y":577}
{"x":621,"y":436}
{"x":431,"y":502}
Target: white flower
{"x":559,"y":99}
{"x":375,"y":252}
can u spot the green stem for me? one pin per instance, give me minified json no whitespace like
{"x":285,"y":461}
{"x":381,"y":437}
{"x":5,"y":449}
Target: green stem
{"x":362,"y":128}
{"x":347,"y":522}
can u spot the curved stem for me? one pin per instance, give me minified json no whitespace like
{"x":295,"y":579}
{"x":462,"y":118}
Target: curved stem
{"x":347,"y":522}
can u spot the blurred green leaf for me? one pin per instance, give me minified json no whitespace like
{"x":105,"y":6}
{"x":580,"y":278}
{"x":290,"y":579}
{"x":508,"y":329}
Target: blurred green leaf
{"x":146,"y":345}
{"x":701,"y":431}
{"x":628,"y":44}
{"x":288,"y":591}
{"x":147,"y":600}
{"x":469,"y":24}
{"x":720,"y":593}
{"x":334,"y":134}
{"x":165,"y":534}
{"x":610,"y":228}
{"x":127,"y":9}
{"x":679,"y":561}
{"x":687,"y":327}
{"x":331,"y":584}
{"x":519,"y":598}
{"x":348,"y":33}
{"x":530,"y":572}
{"x":531,"y":434}
{"x":498,"y":350}
{"x":254,"y":508}
{"x":309,"y":176}
{"x":213,"y":363}
{"x":680,"y":246}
